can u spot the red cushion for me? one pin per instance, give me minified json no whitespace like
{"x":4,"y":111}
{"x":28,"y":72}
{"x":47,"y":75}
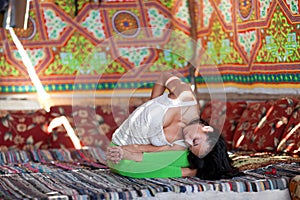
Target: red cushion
{"x":59,"y":137}
{"x":206,"y":112}
{"x":225,"y":117}
{"x":23,"y":130}
{"x":86,"y":123}
{"x":234,"y":112}
{"x":261,"y":125}
{"x":290,"y":141}
{"x":93,"y":126}
{"x":110,"y":118}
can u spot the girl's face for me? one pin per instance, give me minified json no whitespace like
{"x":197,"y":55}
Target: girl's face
{"x":195,"y":136}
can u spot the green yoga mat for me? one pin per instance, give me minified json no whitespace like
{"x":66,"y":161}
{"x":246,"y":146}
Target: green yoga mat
{"x":166,"y":164}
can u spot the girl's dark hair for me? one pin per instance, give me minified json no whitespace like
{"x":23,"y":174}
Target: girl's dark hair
{"x":216,"y":164}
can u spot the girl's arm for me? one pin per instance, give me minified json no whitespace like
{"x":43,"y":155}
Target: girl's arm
{"x":177,"y":88}
{"x":135,"y":152}
{"x":141,"y":148}
{"x":135,"y":156}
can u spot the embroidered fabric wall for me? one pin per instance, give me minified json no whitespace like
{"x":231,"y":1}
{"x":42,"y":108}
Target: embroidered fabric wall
{"x":124,"y":44}
{"x":97,"y":46}
{"x":255,"y":44}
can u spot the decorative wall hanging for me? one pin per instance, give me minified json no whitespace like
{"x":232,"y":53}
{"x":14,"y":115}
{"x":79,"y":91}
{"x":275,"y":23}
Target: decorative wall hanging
{"x":248,"y":45}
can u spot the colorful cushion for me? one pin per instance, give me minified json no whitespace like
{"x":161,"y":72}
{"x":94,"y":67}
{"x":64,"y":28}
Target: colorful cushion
{"x":59,"y":137}
{"x":261,"y":125}
{"x":93,"y":126}
{"x":290,"y":141}
{"x":111,"y":117}
{"x":23,"y":130}
{"x":226,"y":117}
{"x":89,"y":127}
{"x":206,"y":112}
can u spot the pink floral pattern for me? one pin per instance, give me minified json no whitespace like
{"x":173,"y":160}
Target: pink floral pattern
{"x":261,"y":125}
{"x":23,"y":130}
{"x":258,"y":126}
{"x":250,"y":118}
{"x":93,"y":126}
{"x":28,"y":130}
{"x":290,"y":141}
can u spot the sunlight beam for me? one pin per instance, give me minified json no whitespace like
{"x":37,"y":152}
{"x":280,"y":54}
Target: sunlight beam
{"x":62,"y":120}
{"x":43,"y":96}
{"x":285,"y":139}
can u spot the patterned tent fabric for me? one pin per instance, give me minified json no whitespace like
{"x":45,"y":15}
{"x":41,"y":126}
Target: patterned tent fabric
{"x":254,"y":44}
{"x":79,"y":174}
{"x":123,"y":45}
{"x":101,"y":47}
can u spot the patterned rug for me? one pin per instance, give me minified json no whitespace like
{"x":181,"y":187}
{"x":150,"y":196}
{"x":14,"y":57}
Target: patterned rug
{"x":79,"y":174}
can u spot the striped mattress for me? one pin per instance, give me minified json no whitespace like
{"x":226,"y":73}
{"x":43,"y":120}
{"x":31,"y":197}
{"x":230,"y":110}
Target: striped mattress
{"x":80,"y":174}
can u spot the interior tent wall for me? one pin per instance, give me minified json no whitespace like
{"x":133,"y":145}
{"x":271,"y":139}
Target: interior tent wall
{"x":119,"y":47}
{"x":254,"y":45}
{"x":103,"y":48}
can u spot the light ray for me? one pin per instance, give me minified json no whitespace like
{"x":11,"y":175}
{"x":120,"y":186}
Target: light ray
{"x":43,"y":96}
{"x":62,"y":120}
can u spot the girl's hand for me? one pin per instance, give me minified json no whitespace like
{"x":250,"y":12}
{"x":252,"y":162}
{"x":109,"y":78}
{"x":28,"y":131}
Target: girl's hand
{"x":117,"y":153}
{"x":114,"y":154}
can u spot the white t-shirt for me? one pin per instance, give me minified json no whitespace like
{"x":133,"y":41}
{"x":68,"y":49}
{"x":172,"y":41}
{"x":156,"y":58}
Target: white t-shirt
{"x":145,"y":123}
